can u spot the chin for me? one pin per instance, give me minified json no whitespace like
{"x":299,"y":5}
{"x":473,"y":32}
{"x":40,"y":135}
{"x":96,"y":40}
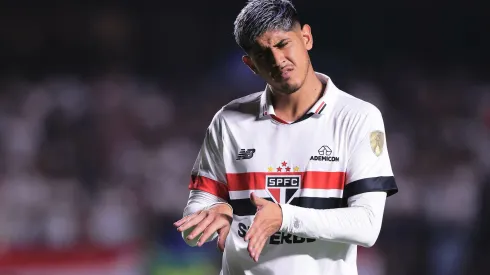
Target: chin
{"x":291,"y":85}
{"x":288,"y":88}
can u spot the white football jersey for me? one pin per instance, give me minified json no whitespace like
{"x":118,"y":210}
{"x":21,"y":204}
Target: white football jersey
{"x":337,"y":150}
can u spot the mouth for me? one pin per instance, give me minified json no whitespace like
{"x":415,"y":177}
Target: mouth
{"x":283,"y":74}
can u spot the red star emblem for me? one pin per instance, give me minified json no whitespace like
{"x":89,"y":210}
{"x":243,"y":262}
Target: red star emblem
{"x":279,"y":169}
{"x":284,"y":163}
{"x":288,"y":169}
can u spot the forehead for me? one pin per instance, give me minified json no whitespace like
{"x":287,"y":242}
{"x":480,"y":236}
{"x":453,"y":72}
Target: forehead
{"x":272,"y":37}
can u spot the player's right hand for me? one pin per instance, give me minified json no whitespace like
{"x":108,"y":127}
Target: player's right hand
{"x":216,"y":219}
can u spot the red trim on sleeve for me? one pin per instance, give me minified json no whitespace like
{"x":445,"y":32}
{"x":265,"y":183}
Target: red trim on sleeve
{"x":208,"y":185}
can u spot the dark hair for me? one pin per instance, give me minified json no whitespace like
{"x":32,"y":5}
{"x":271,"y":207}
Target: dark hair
{"x":260,"y":16}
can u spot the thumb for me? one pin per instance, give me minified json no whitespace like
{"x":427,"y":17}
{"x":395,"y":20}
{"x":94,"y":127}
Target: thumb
{"x":222,"y":235}
{"x":257,"y":201}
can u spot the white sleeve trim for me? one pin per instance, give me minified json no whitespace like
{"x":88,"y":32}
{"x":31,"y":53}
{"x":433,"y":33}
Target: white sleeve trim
{"x":200,"y":200}
{"x":358,"y":224}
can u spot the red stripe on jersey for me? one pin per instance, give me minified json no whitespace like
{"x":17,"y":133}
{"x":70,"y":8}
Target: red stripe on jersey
{"x":319,"y":107}
{"x":208,"y":185}
{"x":276,"y":194}
{"x":278,"y":119}
{"x":309,"y":179}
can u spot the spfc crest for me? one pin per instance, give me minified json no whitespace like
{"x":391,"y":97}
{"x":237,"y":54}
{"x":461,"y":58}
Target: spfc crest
{"x":283,"y":187}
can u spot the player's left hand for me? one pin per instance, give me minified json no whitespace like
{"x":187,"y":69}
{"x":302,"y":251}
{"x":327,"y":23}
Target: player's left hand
{"x":267,"y":221}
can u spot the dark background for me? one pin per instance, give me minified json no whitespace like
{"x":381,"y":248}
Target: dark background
{"x":104,"y":105}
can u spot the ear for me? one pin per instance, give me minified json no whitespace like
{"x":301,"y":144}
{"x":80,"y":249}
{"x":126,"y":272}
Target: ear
{"x":307,"y":36}
{"x":248,"y":61}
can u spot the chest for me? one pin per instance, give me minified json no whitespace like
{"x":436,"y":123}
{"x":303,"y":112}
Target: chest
{"x":311,"y":145}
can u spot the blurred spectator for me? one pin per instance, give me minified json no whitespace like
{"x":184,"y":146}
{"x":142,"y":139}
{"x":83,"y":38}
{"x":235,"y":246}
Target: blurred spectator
{"x":103,"y":108}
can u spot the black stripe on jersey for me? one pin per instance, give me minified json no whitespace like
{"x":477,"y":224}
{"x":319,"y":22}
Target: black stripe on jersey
{"x":244,"y":207}
{"x":357,"y":187}
{"x":305,"y":116}
{"x":323,"y":108}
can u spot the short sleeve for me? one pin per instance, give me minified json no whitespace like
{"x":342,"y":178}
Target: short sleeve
{"x":369,"y":167}
{"x":208,"y":173}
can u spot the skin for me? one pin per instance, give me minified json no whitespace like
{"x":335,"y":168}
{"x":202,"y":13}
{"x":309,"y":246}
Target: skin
{"x":267,"y":221}
{"x":216,"y":219}
{"x":281,"y":59}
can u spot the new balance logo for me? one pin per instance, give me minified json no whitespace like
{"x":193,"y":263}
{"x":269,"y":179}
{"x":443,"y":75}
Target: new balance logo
{"x":245,"y":154}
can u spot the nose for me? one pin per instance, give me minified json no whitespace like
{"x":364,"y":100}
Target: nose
{"x":277,"y":57}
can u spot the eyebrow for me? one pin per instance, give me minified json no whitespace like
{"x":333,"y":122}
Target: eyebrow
{"x":259,"y":49}
{"x":281,"y":42}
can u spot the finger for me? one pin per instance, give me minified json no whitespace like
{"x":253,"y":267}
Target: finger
{"x":223,"y":234}
{"x":260,"y":247}
{"x":253,"y":245}
{"x":258,"y":201}
{"x":216,"y":225}
{"x":184,"y":219}
{"x":254,"y":228}
{"x":253,"y":198}
{"x":253,"y":241}
{"x":191,"y":222}
{"x":201,"y":227}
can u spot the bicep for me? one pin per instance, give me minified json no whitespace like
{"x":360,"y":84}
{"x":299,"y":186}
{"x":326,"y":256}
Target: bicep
{"x":208,"y":173}
{"x":369,"y":167}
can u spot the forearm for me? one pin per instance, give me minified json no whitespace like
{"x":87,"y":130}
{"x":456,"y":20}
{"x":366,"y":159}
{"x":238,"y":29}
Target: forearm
{"x":358,"y":224}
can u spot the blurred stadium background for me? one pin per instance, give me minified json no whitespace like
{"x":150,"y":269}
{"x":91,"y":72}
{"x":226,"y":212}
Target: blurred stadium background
{"x":103,"y":106}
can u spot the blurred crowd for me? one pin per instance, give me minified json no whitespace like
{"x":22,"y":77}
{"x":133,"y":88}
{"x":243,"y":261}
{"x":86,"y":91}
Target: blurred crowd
{"x":85,"y":160}
{"x":103,"y":108}
{"x":106,"y":161}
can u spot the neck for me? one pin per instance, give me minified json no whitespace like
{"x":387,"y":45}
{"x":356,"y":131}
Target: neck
{"x":291,"y":107}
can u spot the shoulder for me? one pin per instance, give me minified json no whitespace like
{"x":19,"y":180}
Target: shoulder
{"x":351,"y":107}
{"x":241,"y":108}
{"x":357,"y":117}
{"x":243,"y":103}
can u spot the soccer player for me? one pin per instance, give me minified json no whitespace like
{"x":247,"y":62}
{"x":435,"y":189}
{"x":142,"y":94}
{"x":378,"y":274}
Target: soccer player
{"x":291,"y":179}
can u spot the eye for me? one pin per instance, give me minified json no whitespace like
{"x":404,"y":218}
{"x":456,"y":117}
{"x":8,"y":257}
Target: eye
{"x":282,"y":45}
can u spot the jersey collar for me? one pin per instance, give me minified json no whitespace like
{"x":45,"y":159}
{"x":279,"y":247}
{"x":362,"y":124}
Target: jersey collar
{"x":266,"y":108}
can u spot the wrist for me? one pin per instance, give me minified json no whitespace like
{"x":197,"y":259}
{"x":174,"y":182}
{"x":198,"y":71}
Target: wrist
{"x":287,"y":214}
{"x":222,"y":208}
